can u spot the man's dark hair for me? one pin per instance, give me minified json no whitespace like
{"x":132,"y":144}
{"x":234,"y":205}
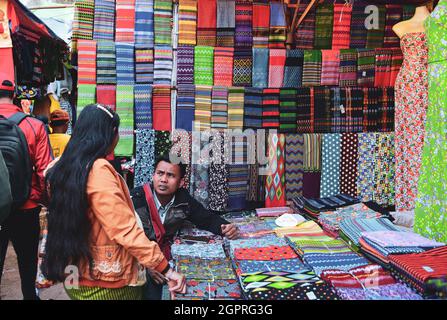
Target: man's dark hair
{"x":165,"y":158}
{"x":7,"y":93}
{"x":59,"y":123}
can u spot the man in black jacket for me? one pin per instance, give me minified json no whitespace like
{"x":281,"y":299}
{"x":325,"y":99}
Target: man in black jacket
{"x":174,"y":205}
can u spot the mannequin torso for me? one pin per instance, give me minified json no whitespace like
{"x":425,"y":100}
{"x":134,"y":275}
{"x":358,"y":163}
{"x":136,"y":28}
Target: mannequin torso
{"x":415,"y":24}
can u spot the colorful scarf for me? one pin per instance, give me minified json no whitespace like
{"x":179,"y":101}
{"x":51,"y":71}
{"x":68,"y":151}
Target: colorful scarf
{"x":253,"y":108}
{"x":144,"y":22}
{"x":223,"y":66}
{"x":242,"y":69}
{"x":185,"y":107}
{"x":312,"y":68}
{"x":275,"y":181}
{"x":124,"y":108}
{"x":260,"y":67}
{"x":187,"y":22}
{"x":219,"y":108}
{"x":86,"y":62}
{"x":304,"y":118}
{"x":366,"y":165}
{"x":203,"y":65}
{"x":125,"y":64}
{"x":322,"y":109}
{"x":393,"y":16}
{"x":287,"y":110}
{"x":383,"y":67}
{"x":348,"y":68}
{"x":202,"y":112}
{"x":104,"y":24}
{"x":144,"y":156}
{"x":144,"y":64}
{"x":206,"y":22}
{"x":225,"y":23}
{"x":86,"y":96}
{"x":185,"y":65}
{"x":83,"y":20}
{"x":366,"y":67}
{"x":330,"y":67}
{"x":162,"y":65}
{"x":305,"y":33}
{"x":324,"y":22}
{"x":330,"y":173}
{"x":162,"y":22}
{"x":105,"y":62}
{"x":106,"y":95}
{"x":358,"y":29}
{"x":125,"y":21}
{"x":294,"y":165}
{"x":161,"y":108}
{"x":384,"y":169}
{"x":243,"y":35}
{"x":293,"y":70}
{"x":235,"y":108}
{"x":341,"y":37}
{"x":143,"y":106}
{"x":261,"y":24}
{"x":270,"y":108}
{"x":348,"y":165}
{"x":277,"y":35}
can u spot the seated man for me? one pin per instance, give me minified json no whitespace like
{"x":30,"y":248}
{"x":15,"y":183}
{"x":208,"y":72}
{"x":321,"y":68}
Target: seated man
{"x":164,"y":210}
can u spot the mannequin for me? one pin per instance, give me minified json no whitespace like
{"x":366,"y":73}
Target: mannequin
{"x":416,"y":23}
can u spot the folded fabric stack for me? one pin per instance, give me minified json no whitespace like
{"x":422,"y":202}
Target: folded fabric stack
{"x":253,"y":227}
{"x":369,"y":282}
{"x":313,"y":207}
{"x":191,"y":234}
{"x":273,"y":212}
{"x":198,"y":250}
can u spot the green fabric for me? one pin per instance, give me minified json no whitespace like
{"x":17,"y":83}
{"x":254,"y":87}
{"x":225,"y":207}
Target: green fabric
{"x":375,"y":37}
{"x":5,"y":191}
{"x":203,"y":65}
{"x":86,"y":96}
{"x":324,"y":26}
{"x":124,"y":108}
{"x":96,"y":293}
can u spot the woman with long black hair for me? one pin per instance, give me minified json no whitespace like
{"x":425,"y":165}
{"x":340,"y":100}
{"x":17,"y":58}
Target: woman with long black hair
{"x":95,"y":244}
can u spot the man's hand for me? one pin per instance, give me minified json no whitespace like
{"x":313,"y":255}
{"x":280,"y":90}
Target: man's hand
{"x":157,"y":277}
{"x":176,"y":281}
{"x":230,"y":231}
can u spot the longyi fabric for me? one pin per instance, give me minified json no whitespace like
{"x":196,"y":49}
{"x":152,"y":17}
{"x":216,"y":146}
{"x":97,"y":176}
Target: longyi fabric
{"x":348,"y":68}
{"x":203,"y":65}
{"x":185,"y":65}
{"x":144,"y":64}
{"x":348,"y":164}
{"x":294,"y":165}
{"x":244,"y":16}
{"x":260,"y":67}
{"x":86,"y":96}
{"x":275,"y":181}
{"x":161,"y":109}
{"x":162,"y":65}
{"x":144,"y":156}
{"x":277,"y":36}
{"x":162,"y":22}
{"x":324,"y":22}
{"x":125,"y":21}
{"x":105,"y":62}
{"x":87,"y":62}
{"x":312,"y":68}
{"x":202,"y":112}
{"x":144,"y":22}
{"x":125,"y":65}
{"x":242,"y":67}
{"x":375,"y":36}
{"x":104,"y":23}
{"x":393,"y":16}
{"x":206,"y":22}
{"x":106,"y":95}
{"x":187,"y":22}
{"x":358,"y":29}
{"x":83,"y":21}
{"x":261,"y":24}
{"x":185,"y":107}
{"x":341,"y":37}
{"x":330,"y":67}
{"x":125,"y":109}
{"x":305,"y":33}
{"x":293,"y":70}
{"x":225,"y":23}
{"x":366,"y":67}
{"x":223,"y":66}
{"x":330,"y":176}
{"x":287,"y":110}
{"x":277,"y":62}
{"x":143,"y":106}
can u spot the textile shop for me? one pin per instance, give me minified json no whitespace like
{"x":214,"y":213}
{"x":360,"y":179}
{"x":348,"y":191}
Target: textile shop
{"x":347,"y":101}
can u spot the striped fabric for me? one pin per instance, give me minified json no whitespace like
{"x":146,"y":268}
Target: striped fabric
{"x":144,"y":156}
{"x":324,"y":22}
{"x":125,"y":64}
{"x":260,"y":67}
{"x":374,"y":38}
{"x":393,"y":16}
{"x":185,"y":107}
{"x":366,"y":67}
{"x":202,"y":112}
{"x":365,"y":165}
{"x":203,"y":65}
{"x":275,"y":180}
{"x":161,"y":108}
{"x":341,"y":37}
{"x":304,"y":122}
{"x":358,"y":29}
{"x":270,"y":108}
{"x":384,"y":59}
{"x":87,"y":62}
{"x":351,"y":117}
{"x":144,"y":22}
{"x":253,"y":108}
{"x":185,"y":65}
{"x":277,"y":35}
{"x":312,"y":68}
{"x":293,"y":70}
{"x":294,"y":165}
{"x":106,"y":95}
{"x":348,"y":68}
{"x":83,"y":20}
{"x":97,"y":293}
{"x":261,"y":24}
{"x":348,"y":164}
{"x":125,"y":21}
{"x":330,"y":70}
{"x":322,"y":109}
{"x":162,"y":21}
{"x":235,"y":108}
{"x":104,"y":24}
{"x":277,"y":61}
{"x":105,"y":62}
{"x":242,"y":68}
{"x":243,"y":36}
{"x":330,"y":172}
{"x":162,"y":65}
{"x":124,"y":108}
{"x":86,"y":96}
{"x":237,"y":186}
{"x":225,"y":23}
{"x":206,"y":22}
{"x":219,"y":107}
{"x":223,"y":66}
{"x":312,"y":165}
{"x":144,"y":64}
{"x":384,"y":169}
{"x":396,"y":63}
{"x":287,"y":111}
{"x":187,"y":22}
{"x":305,"y":33}
{"x":143,"y":106}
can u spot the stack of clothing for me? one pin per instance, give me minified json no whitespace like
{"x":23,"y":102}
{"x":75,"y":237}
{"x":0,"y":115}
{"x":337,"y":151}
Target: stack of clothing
{"x":253,"y":227}
{"x":190,"y":234}
{"x":313,"y":207}
{"x":273,"y":212}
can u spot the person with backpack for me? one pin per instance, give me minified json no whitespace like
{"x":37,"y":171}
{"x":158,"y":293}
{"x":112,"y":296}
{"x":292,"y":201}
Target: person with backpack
{"x":26,"y":150}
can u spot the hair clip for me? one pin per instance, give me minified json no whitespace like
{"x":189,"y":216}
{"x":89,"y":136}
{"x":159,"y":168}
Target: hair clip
{"x":105,"y":110}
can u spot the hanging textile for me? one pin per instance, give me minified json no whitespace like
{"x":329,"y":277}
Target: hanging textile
{"x":235,"y":108}
{"x":225,"y":23}
{"x":287,"y":111}
{"x":203,"y":65}
{"x":358,"y":28}
{"x":219,"y":108}
{"x":366,"y":164}
{"x":202,"y":112}
{"x":86,"y":96}
{"x":187,"y":22}
{"x":384,"y":169}
{"x":106,"y":95}
{"x":125,"y":21}
{"x":144,"y":156}
{"x":163,"y":143}
{"x":293,"y":70}
{"x":393,"y":16}
{"x":104,"y":20}
{"x":83,"y":20}
{"x":330,"y":70}
{"x":185,"y":65}
{"x":374,"y":38}
{"x":275,"y":180}
{"x":270,"y":108}
{"x":162,"y":22}
{"x":243,"y":35}
{"x":261,"y":24}
{"x":277,"y":62}
{"x":312,"y":165}
{"x":206,"y":22}
{"x":218,"y":175}
{"x":304,"y":111}
{"x":185,"y":107}
{"x":125,"y":64}
{"x":260,"y":67}
{"x":162,"y":65}
{"x":384,"y":59}
{"x":337,"y":101}
{"x":366,"y":67}
{"x":242,"y":68}
{"x":181,"y":147}
{"x":124,"y":108}
{"x":330,"y":172}
{"x":322,"y":109}
{"x":294,"y":165}
{"x":348,"y":164}
{"x":223,"y":66}
{"x":341,"y":37}
{"x":253,"y":108}
{"x":87,"y":62}
{"x":353,"y":108}
{"x":237,"y":186}
{"x":385,"y":112}
{"x":312,"y":68}
{"x":143,"y":106}
{"x":396,"y":63}
{"x":144,"y":22}
{"x":348,"y":68}
{"x":277,"y":35}
{"x":372,"y":108}
{"x":144,"y":64}
{"x":305,"y":33}
{"x":324,"y":21}
{"x":161,"y":108}
{"x":105,"y":62}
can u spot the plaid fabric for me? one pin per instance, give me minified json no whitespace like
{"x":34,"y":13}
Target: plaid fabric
{"x":223,"y":66}
{"x":312,"y":68}
{"x":330,"y":171}
{"x":305,"y":33}
{"x":293,"y":70}
{"x":187,"y":14}
{"x":86,"y":96}
{"x":358,"y":29}
{"x":235,"y":108}
{"x":203,"y":65}
{"x":161,"y":108}
{"x":341,"y":37}
{"x":83,"y":20}
{"x":277,"y":35}
{"x":125,"y":64}
{"x":105,"y":62}
{"x":124,"y":108}
{"x":226,"y":23}
{"x":87,"y":62}
{"x":106,"y":95}
{"x":219,"y":108}
{"x":125,"y":21}
{"x":408,"y":12}
{"x":185,"y":65}
{"x":243,"y":65}
{"x":253,"y":108}
{"x":354,"y":110}
{"x":294,"y":165}
{"x":104,"y":24}
{"x":275,"y":180}
{"x":393,"y":16}
{"x":270,"y":108}
{"x":384,"y":169}
{"x":348,"y":68}
{"x":396,"y":63}
{"x":244,"y":15}
{"x":303,"y":120}
{"x":162,"y":22}
{"x":338,"y":99}
{"x":144,"y":22}
{"x":384,"y":59}
{"x":206,"y":22}
{"x":287,"y":110}
{"x":185,"y":107}
{"x":260,"y":67}
{"x":143,"y":106}
{"x":385,"y":113}
{"x":365,"y":165}
{"x":374,"y":38}
{"x":261,"y":24}
{"x":371,"y":108}
{"x":330,"y":70}
{"x":324,"y":22}
{"x":322,"y":110}
{"x":162,"y":65}
{"x":202,"y":112}
{"x":348,"y":165}
{"x":366,"y":67}
{"x":144,"y":64}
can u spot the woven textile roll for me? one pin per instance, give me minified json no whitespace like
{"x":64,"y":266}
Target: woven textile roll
{"x":365,"y":165}
{"x":304,"y":111}
{"x":293,"y":70}
{"x":219,"y":108}
{"x":330,"y":173}
{"x":287,"y":110}
{"x":275,"y":181}
{"x":244,"y":14}
{"x":348,"y":68}
{"x":270,"y":108}
{"x":277,"y":35}
{"x":348,"y":164}
{"x":330,"y":70}
{"x":162,"y":21}
{"x":104,"y":24}
{"x":105,"y":62}
{"x":366,"y":67}
{"x":341,"y":37}
{"x":260,"y":67}
{"x":223,"y":66}
{"x":384,"y":58}
{"x":185,"y":65}
{"x":374,"y":38}
{"x":143,"y":106}
{"x":203,"y":65}
{"x":125,"y":21}
{"x":324,"y":22}
{"x":83,"y":20}
{"x":294,"y":165}
{"x":144,"y":156}
{"x":393,"y":16}
{"x":163,"y":65}
{"x":144,"y":64}
{"x":225,"y":23}
{"x":125,"y":73}
{"x":202,"y":113}
{"x":185,"y":107}
{"x":106,"y":95}
{"x":235,"y":108}
{"x":261,"y":24}
{"x":305,"y":33}
{"x":358,"y":29}
{"x":206,"y":22}
{"x":312,"y":68}
{"x":161,"y":108}
{"x":253,"y":108}
{"x":144,"y":22}
{"x":87,"y":62}
{"x":124,"y":108}
{"x":242,"y":68}
{"x":86,"y":96}
{"x":187,"y":22}
{"x":277,"y":61}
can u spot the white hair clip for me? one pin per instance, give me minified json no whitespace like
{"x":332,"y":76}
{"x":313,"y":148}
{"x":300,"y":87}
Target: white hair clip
{"x":105,"y":110}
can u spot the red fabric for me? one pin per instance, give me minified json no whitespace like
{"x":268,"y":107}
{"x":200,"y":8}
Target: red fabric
{"x":18,"y":16}
{"x":206,"y":22}
{"x":39,"y":151}
{"x":223,"y":66}
{"x":261,"y":15}
{"x":6,"y":64}
{"x":106,"y":95}
{"x":277,"y":61}
{"x":125,"y":21}
{"x":161,"y":108}
{"x":86,"y":62}
{"x":342,"y":26}
{"x":265,"y":253}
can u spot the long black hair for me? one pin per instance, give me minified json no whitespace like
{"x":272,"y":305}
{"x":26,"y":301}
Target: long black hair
{"x":69,"y":228}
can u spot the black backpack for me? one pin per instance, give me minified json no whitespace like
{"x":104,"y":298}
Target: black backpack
{"x":5,"y":191}
{"x":14,"y":148}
